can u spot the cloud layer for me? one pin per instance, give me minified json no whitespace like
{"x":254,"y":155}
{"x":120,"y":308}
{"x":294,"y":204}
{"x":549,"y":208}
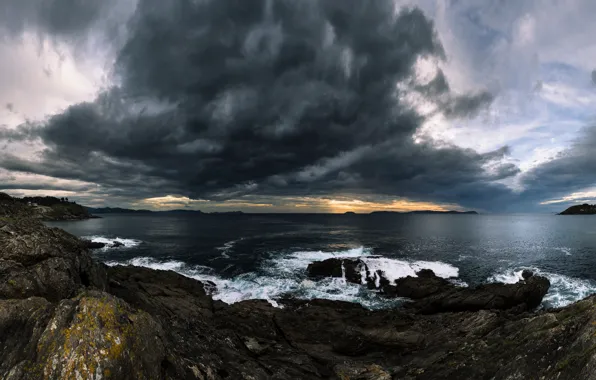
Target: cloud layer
{"x":267,"y":101}
{"x":228,"y":98}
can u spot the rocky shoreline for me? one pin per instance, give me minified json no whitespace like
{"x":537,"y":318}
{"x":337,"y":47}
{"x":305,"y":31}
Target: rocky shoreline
{"x":65,"y":316}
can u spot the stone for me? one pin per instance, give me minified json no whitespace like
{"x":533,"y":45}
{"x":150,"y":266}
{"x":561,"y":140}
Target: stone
{"x":527,"y":274}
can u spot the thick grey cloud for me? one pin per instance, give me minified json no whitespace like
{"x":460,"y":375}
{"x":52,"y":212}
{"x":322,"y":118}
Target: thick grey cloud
{"x":218,"y":99}
{"x":571,"y":171}
{"x":61,"y":18}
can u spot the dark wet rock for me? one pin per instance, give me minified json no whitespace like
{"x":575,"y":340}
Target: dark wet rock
{"x":116,"y":244}
{"x":522,"y":296}
{"x":348,"y":268}
{"x":326,"y":268}
{"x":160,"y":292}
{"x":425,"y":285}
{"x":94,"y":244}
{"x":426,"y":273}
{"x":527,"y":274}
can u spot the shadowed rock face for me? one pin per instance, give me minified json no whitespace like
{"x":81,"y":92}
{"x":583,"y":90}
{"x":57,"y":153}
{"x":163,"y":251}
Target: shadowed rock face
{"x":62,"y":316}
{"x":46,"y":262}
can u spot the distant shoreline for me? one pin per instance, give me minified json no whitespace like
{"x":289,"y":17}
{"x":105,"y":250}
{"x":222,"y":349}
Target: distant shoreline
{"x":117,"y":211}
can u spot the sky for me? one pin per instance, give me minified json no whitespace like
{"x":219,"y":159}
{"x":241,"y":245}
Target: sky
{"x":300,"y":106}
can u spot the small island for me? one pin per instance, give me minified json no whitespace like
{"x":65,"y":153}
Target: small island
{"x":584,"y":209}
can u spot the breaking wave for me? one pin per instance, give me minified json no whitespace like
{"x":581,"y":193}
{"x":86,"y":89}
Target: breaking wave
{"x":285,"y":274}
{"x":128,"y":243}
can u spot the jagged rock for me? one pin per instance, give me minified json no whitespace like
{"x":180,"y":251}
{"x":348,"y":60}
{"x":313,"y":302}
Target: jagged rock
{"x":527,"y":274}
{"x":350,"y":268}
{"x":48,"y":262}
{"x":116,"y":244}
{"x":426,"y":273}
{"x":160,"y":292}
{"x":524,"y":295}
{"x":362,"y":372}
{"x":425,"y":285}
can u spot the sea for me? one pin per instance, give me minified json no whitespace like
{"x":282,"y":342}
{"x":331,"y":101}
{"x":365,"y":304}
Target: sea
{"x":265,"y":256}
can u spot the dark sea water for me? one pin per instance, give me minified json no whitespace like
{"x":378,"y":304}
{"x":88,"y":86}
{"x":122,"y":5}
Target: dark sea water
{"x":265,"y":256}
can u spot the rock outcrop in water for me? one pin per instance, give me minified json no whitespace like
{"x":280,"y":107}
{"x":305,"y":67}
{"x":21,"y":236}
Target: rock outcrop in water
{"x":63,"y":316}
{"x":433,"y":294}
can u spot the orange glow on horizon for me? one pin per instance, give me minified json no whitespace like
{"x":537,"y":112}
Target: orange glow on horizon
{"x":336,"y":205}
{"x":402,"y":205}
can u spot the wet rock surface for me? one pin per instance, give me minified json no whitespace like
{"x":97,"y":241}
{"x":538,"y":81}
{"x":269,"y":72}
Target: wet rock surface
{"x":93,"y":244}
{"x":63,"y":316}
{"x":433,"y":294}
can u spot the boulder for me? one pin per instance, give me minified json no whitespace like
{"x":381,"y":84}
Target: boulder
{"x":116,"y":244}
{"x":524,"y":295}
{"x":94,"y":244}
{"x":92,"y":336}
{"x":527,"y":274}
{"x":350,"y":268}
{"x":425,"y":285}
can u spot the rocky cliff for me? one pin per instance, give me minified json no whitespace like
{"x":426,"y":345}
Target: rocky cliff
{"x":64,"y":316}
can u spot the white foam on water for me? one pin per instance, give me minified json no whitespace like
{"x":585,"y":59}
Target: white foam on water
{"x":394,"y":268}
{"x":286,"y":274}
{"x":227,"y":247}
{"x":565,"y":250}
{"x":176,"y":266}
{"x":128,"y":243}
{"x":563,"y":290}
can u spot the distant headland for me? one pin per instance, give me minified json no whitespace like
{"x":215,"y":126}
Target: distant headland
{"x":44,"y":208}
{"x":584,"y":209}
{"x":425,"y":212}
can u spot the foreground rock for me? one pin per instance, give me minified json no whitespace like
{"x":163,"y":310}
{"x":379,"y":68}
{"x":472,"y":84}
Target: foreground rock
{"x":64,"y":317}
{"x":45,"y":262}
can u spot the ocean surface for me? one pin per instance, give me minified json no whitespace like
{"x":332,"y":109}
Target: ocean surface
{"x":265,"y":256}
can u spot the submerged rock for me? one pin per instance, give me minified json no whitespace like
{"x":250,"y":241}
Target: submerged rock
{"x":116,"y":244}
{"x":93,"y":244}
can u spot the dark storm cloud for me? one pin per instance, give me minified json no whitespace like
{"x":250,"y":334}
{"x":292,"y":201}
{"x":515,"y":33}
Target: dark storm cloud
{"x":62,"y":18}
{"x":218,"y":99}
